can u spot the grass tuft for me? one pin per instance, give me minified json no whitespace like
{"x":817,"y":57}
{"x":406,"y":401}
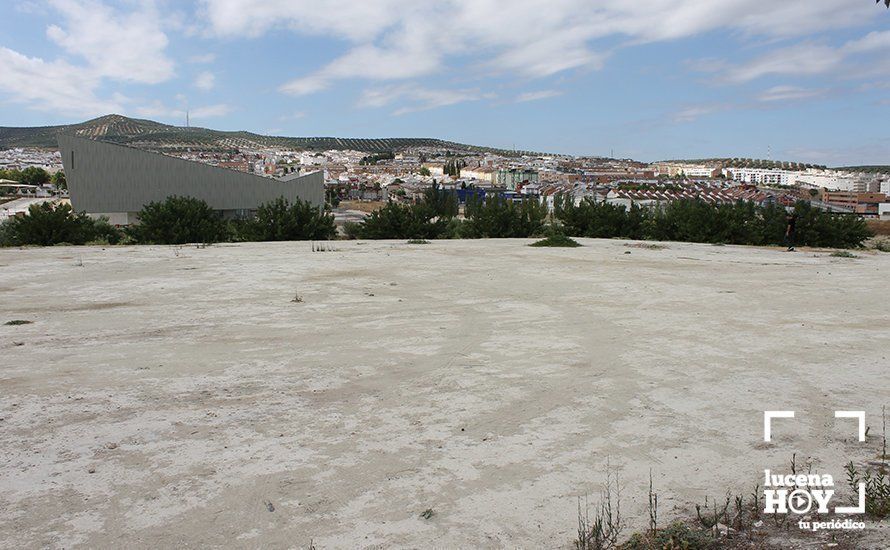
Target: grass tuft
{"x":843,"y":254}
{"x":558,"y":241}
{"x":16,"y":322}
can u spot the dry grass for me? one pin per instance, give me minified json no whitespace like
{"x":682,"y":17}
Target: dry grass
{"x":879,"y":227}
{"x":362,"y":206}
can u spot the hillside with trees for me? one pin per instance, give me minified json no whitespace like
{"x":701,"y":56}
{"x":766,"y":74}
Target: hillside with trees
{"x":150,"y":135}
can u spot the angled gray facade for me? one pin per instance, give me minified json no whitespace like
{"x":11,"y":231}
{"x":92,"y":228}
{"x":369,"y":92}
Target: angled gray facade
{"x":117,"y":181}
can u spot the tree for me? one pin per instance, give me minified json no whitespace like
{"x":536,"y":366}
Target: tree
{"x":497,"y":217}
{"x":332,"y":197}
{"x":52,"y":223}
{"x":698,"y":221}
{"x":179,"y":220}
{"x":400,"y":221}
{"x":443,"y":203}
{"x":424,"y":171}
{"x":59,"y":180}
{"x":599,"y":220}
{"x":280,"y":220}
{"x":33,"y":175}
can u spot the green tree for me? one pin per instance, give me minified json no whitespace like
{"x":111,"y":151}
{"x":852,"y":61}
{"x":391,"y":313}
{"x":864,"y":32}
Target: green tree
{"x":59,"y":180}
{"x":599,"y":220}
{"x":33,"y":175}
{"x":53,"y":223}
{"x":179,"y":220}
{"x":443,"y":203}
{"x":424,"y":171}
{"x":332,"y":197}
{"x":497,"y":217}
{"x":402,"y":221}
{"x":279,"y":220}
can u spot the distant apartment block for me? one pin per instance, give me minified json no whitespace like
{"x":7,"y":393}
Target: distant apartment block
{"x":479,"y":173}
{"x":763,"y":176}
{"x":509,"y":178}
{"x":867,"y":204}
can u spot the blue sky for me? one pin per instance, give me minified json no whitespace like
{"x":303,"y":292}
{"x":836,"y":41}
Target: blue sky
{"x":804,"y":80}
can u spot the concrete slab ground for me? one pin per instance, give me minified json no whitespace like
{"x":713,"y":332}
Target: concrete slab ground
{"x":262,"y":395}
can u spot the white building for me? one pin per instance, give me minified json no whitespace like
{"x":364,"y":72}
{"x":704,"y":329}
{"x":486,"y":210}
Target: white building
{"x":826,"y":179}
{"x":698,"y":171}
{"x":764,"y":176}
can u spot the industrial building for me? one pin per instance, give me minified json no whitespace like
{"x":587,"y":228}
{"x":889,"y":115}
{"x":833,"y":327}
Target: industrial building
{"x":117,"y":181}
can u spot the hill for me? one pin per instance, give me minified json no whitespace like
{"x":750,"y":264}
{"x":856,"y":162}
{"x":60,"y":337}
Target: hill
{"x":877,"y":169}
{"x":748,"y":163}
{"x":147,"y":134}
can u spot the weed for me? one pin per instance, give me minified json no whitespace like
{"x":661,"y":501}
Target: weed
{"x":882,"y":245}
{"x":843,"y":254}
{"x":877,"y":490}
{"x":653,"y":507}
{"x":604,"y":530}
{"x":428,"y":513}
{"x":557,"y":241}
{"x":16,"y":322}
{"x":675,"y":536}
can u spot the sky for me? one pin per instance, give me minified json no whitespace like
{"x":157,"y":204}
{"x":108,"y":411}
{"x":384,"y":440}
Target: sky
{"x":802,"y":80}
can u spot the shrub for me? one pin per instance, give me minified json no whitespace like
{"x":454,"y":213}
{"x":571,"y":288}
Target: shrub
{"x":279,"y":220}
{"x":399,"y":221}
{"x":52,"y":223}
{"x":676,"y":536}
{"x":815,"y":227}
{"x":599,"y":220}
{"x":352,"y":230}
{"x":698,"y":221}
{"x":557,"y":241}
{"x":497,"y":217}
{"x":877,"y":489}
{"x":179,"y":220}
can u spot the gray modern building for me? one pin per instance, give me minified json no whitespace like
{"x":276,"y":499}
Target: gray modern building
{"x":117,"y":181}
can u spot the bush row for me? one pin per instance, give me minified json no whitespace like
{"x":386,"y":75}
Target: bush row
{"x":177,"y":220}
{"x":180,"y":220}
{"x":697,"y":221}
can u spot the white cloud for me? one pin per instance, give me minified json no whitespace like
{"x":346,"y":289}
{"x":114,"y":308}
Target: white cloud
{"x":98,"y":44}
{"x":801,"y":59}
{"x":807,"y":58}
{"x":158,"y":110}
{"x":878,"y":40}
{"x":789,"y":93}
{"x":122,"y":46}
{"x":211,"y":111}
{"x":52,"y":86}
{"x":205,"y":81}
{"x":417,"y":98}
{"x":535,"y":96}
{"x":405,"y":39}
{"x":296,"y":115}
{"x":202,"y":58}
{"x":694,"y":112}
